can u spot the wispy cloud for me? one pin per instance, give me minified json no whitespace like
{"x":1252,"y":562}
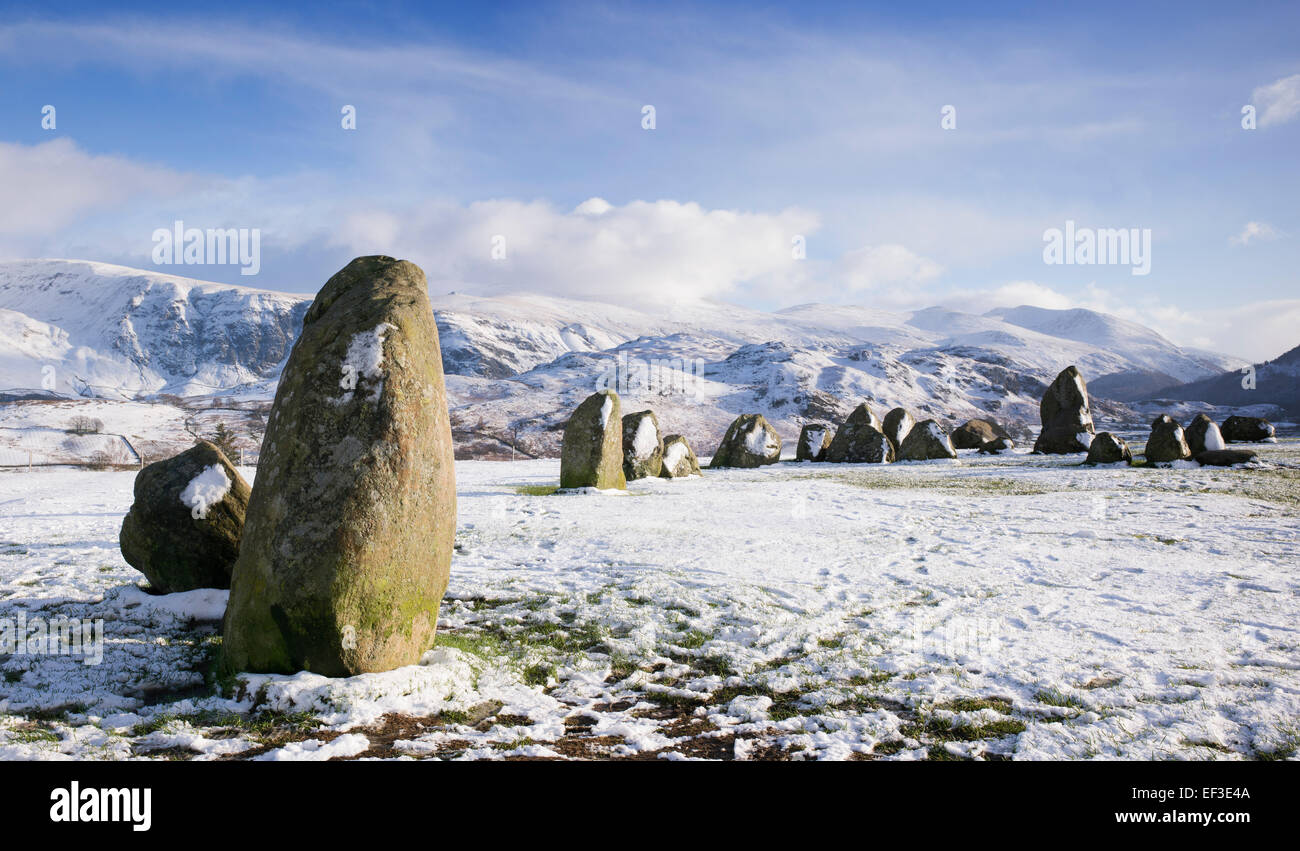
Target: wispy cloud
{"x":1256,"y":232}
{"x":1278,"y":102}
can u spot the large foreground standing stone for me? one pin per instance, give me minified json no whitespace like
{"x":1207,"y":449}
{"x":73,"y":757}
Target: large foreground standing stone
{"x":1066,"y":415}
{"x":643,"y":447}
{"x":1248,"y":430}
{"x":184,"y":528}
{"x":1203,"y":435}
{"x":347,"y":549}
{"x":860,"y":440}
{"x":679,"y":460}
{"x":897,"y":426}
{"x":927,"y":441}
{"x":973,"y":434}
{"x":1108,"y":448}
{"x":813,"y":441}
{"x":750,"y":441}
{"x":592,"y":453}
{"x":1166,"y":442}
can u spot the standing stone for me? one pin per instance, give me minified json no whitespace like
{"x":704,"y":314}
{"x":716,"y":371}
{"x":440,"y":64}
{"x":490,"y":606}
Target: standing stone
{"x":898,"y":424}
{"x":592,"y":453}
{"x":643,"y":447}
{"x":1203,"y":434}
{"x":750,"y":441}
{"x":1248,"y":430}
{"x":184,"y":528}
{"x":1108,"y":448}
{"x":926,"y":442}
{"x":1066,"y":415}
{"x":973,"y":434}
{"x":813,"y":440}
{"x":347,"y":550}
{"x":1166,"y":442}
{"x":679,"y":460}
{"x":861,"y":440}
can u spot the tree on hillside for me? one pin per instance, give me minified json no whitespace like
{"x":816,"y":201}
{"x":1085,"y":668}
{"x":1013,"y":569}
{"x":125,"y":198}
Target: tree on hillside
{"x":224,"y":439}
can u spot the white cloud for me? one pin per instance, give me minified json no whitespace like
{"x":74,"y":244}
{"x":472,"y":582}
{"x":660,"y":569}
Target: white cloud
{"x":58,"y":183}
{"x":642,"y":252}
{"x":1258,"y":231}
{"x":1278,"y":102}
{"x":875,"y":266}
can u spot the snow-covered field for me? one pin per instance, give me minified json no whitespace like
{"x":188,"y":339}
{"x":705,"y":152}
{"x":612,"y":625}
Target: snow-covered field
{"x":1009,"y":607}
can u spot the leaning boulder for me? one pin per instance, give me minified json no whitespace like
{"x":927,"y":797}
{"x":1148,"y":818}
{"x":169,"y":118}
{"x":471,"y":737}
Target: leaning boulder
{"x":1167,"y":442}
{"x":898,"y":424}
{"x":184,"y":528}
{"x":750,"y":441}
{"x":813,"y":441}
{"x":1248,"y":430}
{"x":973,"y":434}
{"x":1225,"y":457}
{"x":1066,"y":415}
{"x":679,"y":460}
{"x":926,"y":442}
{"x":347,"y":549}
{"x":643,"y":447}
{"x":1108,"y":448}
{"x":591,"y":455}
{"x":1202,"y":435}
{"x":860,"y":440}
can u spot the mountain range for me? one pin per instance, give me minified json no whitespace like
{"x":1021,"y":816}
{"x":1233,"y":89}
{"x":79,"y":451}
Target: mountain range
{"x":517,"y":365}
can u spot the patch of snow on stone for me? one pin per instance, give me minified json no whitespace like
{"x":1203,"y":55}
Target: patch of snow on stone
{"x":365,"y":359}
{"x":206,"y":490}
{"x":605,"y":410}
{"x":674,"y":455}
{"x":647,"y":438}
{"x":1085,"y":437}
{"x":1214,"y":438}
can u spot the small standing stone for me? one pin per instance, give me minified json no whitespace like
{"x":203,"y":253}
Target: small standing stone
{"x":184,"y":528}
{"x":750,"y":441}
{"x":591,"y":455}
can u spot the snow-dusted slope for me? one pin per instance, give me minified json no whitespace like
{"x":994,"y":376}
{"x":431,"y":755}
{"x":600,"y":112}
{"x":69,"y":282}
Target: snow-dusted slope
{"x":111,"y":330}
{"x":518,"y":364}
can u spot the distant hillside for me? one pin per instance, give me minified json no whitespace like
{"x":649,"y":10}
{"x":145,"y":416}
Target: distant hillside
{"x":1277,"y":382}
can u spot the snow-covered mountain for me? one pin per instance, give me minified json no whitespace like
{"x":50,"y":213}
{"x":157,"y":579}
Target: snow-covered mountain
{"x":118,"y":332}
{"x":517,"y":365}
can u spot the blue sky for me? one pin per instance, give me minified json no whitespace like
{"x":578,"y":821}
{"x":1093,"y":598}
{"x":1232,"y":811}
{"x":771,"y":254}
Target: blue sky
{"x":772,"y":122}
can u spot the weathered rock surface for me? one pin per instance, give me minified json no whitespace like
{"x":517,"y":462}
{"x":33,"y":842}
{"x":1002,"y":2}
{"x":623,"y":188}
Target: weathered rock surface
{"x":1108,"y":448}
{"x":860,"y":440}
{"x":1202,"y":435}
{"x":1066,"y":415}
{"x":1167,"y":442}
{"x":750,"y":441}
{"x":973,"y":434}
{"x":346,"y":552}
{"x":679,"y":459}
{"x":927,"y":441}
{"x":184,"y":528}
{"x":1225,"y":457}
{"x":897,"y":425}
{"x":1247,"y":430}
{"x":813,"y":441}
{"x":592,"y":453}
{"x":643,"y":446}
